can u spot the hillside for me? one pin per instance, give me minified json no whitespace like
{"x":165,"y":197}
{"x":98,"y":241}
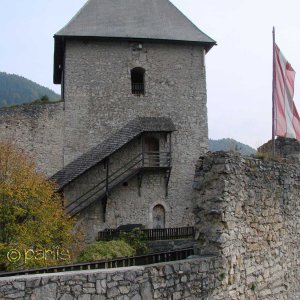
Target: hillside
{"x":230,"y":145}
{"x":16,"y":90}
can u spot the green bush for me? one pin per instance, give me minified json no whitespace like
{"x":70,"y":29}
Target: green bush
{"x":103,"y":250}
{"x":137,"y":239}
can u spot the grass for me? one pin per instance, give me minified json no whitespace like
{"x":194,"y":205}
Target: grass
{"x":268,"y":157}
{"x":106,"y":249}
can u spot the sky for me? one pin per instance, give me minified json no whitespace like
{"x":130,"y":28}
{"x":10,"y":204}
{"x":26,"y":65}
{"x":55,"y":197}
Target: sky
{"x":239,"y":68}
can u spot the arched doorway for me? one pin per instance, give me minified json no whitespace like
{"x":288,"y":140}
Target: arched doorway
{"x":151,"y":146}
{"x":159,"y":215}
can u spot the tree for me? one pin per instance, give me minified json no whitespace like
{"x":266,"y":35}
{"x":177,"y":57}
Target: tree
{"x":34,"y":230}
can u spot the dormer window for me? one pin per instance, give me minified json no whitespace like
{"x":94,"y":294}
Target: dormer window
{"x":138,"y":81}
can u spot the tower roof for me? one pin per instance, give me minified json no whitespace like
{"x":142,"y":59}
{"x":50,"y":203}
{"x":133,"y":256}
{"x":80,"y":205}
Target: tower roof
{"x":155,"y":20}
{"x":142,"y":19}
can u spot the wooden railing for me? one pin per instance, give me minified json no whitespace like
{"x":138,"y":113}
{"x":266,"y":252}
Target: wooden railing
{"x":151,"y":234}
{"x":112,"y":263}
{"x":169,"y":233}
{"x":156,"y":159}
{"x":142,"y":160}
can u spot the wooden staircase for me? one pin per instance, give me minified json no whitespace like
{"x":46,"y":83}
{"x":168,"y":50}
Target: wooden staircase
{"x":142,"y":162}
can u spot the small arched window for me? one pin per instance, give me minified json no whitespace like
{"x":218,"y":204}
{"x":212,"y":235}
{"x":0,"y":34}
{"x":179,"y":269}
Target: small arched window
{"x":138,"y":81}
{"x":159,"y":216}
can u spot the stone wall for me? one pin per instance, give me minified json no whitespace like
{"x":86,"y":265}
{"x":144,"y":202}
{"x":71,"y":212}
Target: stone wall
{"x":248,"y":212}
{"x":37,"y":129}
{"x":126,"y":204}
{"x":99,"y":101}
{"x":247,"y":215}
{"x":190,"y":279}
{"x":284,"y":147}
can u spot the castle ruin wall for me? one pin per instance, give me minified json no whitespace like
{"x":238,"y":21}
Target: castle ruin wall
{"x":38,"y":130}
{"x":248,"y":212}
{"x":192,"y":279}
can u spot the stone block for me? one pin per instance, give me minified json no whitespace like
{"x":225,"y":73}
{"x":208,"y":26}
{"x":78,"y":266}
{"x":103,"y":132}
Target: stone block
{"x":66,"y":297}
{"x":46,"y":292}
{"x":146,"y":291}
{"x":112,"y":292}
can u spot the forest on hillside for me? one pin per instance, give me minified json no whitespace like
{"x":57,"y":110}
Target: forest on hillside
{"x":230,"y":145}
{"x":15,"y":89}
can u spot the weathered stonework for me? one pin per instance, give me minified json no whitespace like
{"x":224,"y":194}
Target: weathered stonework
{"x":190,"y":279}
{"x":128,"y":203}
{"x":248,"y":212}
{"x":97,"y":84}
{"x":284,"y":147}
{"x":247,"y":215}
{"x":37,"y":129}
{"x":98,"y":101}
{"x":175,"y":88}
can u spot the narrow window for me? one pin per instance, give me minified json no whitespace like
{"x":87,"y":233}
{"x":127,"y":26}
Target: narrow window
{"x":137,"y":81}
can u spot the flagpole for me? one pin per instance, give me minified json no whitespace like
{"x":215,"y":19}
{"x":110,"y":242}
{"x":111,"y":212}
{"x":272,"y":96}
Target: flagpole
{"x":273,"y":96}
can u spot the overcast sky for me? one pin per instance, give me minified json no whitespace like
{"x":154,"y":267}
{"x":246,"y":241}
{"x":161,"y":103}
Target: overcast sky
{"x":239,"y":69}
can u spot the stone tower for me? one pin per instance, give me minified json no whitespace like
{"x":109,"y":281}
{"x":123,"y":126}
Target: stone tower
{"x":135,"y":121}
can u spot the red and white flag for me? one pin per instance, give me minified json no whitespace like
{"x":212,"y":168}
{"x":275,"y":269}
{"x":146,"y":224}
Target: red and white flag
{"x":287,"y":121}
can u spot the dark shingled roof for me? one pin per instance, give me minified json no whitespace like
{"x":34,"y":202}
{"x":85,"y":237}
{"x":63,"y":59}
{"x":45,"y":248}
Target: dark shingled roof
{"x":91,"y":158}
{"x":147,"y":19}
{"x":155,"y":20}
